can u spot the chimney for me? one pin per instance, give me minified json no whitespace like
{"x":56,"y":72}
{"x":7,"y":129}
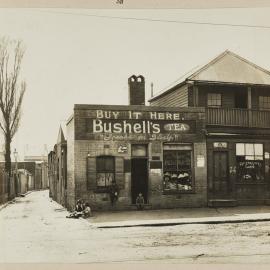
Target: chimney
{"x":136,"y":90}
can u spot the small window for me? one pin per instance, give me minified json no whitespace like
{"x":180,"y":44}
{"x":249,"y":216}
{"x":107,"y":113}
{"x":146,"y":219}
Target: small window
{"x":139,"y":150}
{"x":105,"y":171}
{"x":213,"y":100}
{"x":264,"y":102}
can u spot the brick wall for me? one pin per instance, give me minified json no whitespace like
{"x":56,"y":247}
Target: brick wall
{"x":70,"y":203}
{"x":83,"y":147}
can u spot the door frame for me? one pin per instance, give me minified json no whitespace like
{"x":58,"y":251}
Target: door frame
{"x":146,"y":158}
{"x":147,"y":175}
{"x":230,"y":194}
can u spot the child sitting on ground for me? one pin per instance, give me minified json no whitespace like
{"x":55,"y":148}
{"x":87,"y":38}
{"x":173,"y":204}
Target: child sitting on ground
{"x":78,"y":212}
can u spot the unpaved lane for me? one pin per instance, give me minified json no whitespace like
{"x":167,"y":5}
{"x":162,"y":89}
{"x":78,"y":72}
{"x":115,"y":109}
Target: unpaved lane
{"x":35,"y":229}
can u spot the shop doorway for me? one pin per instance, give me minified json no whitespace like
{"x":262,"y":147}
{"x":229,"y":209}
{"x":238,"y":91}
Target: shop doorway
{"x":221,"y":189}
{"x":139,"y":178}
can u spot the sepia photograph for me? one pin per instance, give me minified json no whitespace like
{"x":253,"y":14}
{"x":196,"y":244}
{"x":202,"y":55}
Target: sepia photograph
{"x":135,"y":134}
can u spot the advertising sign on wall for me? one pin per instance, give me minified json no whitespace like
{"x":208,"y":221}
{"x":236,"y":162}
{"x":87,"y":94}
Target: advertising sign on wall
{"x":139,"y":123}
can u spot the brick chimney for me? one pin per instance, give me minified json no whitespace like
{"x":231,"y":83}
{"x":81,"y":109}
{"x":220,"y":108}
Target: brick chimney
{"x":136,"y":90}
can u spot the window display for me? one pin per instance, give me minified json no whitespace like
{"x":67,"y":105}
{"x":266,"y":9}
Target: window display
{"x":250,"y":161}
{"x":177,"y":170}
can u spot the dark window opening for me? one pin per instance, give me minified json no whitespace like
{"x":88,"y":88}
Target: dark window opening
{"x":214,"y":100}
{"x":264,"y":102}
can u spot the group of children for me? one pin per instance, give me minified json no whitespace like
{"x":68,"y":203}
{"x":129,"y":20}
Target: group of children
{"x":82,"y":209}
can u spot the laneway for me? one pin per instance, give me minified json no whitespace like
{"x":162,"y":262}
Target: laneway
{"x":35,"y":229}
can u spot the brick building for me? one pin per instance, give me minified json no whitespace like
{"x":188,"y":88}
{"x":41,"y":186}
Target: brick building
{"x":158,"y":151}
{"x":57,"y":170}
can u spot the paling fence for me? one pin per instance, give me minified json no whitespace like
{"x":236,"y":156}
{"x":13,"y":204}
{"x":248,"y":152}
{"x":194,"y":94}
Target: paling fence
{"x":7,"y":192}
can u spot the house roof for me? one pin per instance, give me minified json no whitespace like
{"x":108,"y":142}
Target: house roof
{"x":227,"y":67}
{"x":61,"y":137}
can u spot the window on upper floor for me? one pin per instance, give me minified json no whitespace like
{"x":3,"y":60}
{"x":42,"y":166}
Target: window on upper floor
{"x":264,"y":102}
{"x":214,"y":100}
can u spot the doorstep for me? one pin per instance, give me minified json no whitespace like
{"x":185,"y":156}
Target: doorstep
{"x":222,"y":203}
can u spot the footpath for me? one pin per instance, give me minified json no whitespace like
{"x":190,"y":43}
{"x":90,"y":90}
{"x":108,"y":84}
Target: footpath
{"x":180,"y":216}
{"x":164,"y":217}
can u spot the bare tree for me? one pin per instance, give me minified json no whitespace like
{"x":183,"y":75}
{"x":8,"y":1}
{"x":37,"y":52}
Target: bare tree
{"x":11,"y":94}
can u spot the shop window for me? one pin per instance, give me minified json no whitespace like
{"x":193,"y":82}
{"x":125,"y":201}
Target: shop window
{"x":250,"y":161}
{"x":105,"y":171}
{"x":177,"y":168}
{"x":214,"y":100}
{"x":264,"y":102}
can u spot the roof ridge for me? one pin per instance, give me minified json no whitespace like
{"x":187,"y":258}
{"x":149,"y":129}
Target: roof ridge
{"x":213,"y":61}
{"x":249,"y":62}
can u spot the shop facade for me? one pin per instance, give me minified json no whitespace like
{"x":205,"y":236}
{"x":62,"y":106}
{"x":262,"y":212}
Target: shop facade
{"x":157,"y":151}
{"x":235,"y":94}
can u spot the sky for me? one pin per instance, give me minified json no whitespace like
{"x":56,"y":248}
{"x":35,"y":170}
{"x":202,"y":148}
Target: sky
{"x":86,"y":56}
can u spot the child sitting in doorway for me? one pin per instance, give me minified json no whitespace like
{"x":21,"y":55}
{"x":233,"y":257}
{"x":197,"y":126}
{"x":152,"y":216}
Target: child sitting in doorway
{"x":140,"y":202}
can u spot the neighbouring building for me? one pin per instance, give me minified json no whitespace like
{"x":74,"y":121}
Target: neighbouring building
{"x":41,"y":170}
{"x":57,"y":170}
{"x":236,"y":96}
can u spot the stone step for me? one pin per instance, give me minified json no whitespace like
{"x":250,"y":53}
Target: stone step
{"x":222,"y":203}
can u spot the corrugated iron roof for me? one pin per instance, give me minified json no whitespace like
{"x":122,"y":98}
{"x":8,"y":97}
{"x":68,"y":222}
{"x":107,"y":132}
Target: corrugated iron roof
{"x":227,"y":67}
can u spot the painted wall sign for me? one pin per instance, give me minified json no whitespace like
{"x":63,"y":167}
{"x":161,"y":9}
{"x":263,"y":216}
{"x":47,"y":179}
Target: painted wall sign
{"x":177,"y":127}
{"x":127,"y":125}
{"x":139,"y":126}
{"x":122,"y":148}
{"x":220,"y":145}
{"x":132,"y":122}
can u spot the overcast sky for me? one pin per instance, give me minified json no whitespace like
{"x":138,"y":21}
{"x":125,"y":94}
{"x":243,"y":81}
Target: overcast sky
{"x":73,"y":58}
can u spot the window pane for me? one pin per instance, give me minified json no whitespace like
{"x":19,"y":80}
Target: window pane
{"x":109,"y":164}
{"x":177,"y":170}
{"x":240,"y":149}
{"x":264,"y":102}
{"x":139,"y":150}
{"x":214,"y":99}
{"x":101,"y":180}
{"x":249,"y":149}
{"x":258,"y":149}
{"x":100,"y":164}
{"x":105,"y":164}
{"x":170,"y":160}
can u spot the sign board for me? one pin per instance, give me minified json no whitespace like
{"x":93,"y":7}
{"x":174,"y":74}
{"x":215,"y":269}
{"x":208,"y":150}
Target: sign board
{"x":220,"y":145}
{"x":200,"y":161}
{"x":122,"y":148}
{"x":130,"y":122}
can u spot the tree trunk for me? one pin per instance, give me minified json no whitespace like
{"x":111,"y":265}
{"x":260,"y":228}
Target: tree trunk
{"x":8,"y":162}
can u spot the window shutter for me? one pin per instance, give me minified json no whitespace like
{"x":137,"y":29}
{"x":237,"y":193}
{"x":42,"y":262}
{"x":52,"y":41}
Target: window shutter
{"x":119,"y":172}
{"x":91,"y":173}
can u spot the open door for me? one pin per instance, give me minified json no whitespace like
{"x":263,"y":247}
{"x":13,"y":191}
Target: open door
{"x":139,"y":178}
